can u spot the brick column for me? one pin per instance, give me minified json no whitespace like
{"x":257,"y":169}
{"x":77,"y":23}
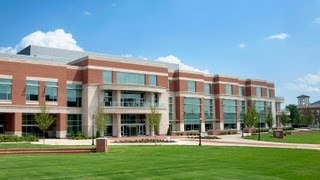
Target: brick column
{"x":17,"y":124}
{"x":61,"y":122}
{"x":179,"y":112}
{"x":219,"y":114}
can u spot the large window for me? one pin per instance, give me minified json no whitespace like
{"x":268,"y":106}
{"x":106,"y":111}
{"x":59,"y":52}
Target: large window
{"x":152,"y":80}
{"x":108,"y":130}
{"x":5,"y":89}
{"x":52,"y":91}
{"x":191,"y":86}
{"x":130,"y":78}
{"x":74,"y":124}
{"x":207,"y":88}
{"x":107,"y":77}
{"x":259,"y":91}
{"x":192,"y":113}
{"x":230,"y":114}
{"x":32,"y":90}
{"x":260,"y":108}
{"x":228,"y":89}
{"x":74,"y":95}
{"x":241,"y":91}
{"x":208,"y":110}
{"x":108,"y":98}
{"x":170,"y":109}
{"x":242,"y":110}
{"x":133,"y":99}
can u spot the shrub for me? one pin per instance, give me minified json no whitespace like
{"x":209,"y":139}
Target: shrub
{"x":13,"y":138}
{"x":169,"y":131}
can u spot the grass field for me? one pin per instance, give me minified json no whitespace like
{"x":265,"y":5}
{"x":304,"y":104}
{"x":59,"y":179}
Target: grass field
{"x":305,"y":138}
{"x":167,"y":162}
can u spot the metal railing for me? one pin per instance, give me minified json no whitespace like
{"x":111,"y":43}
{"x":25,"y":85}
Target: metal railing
{"x":134,"y":104}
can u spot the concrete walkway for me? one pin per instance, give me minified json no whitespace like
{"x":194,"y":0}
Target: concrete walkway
{"x":226,"y":140}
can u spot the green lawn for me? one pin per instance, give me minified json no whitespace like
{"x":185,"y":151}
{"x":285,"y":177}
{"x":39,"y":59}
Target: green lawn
{"x":167,"y":162}
{"x":305,"y":138}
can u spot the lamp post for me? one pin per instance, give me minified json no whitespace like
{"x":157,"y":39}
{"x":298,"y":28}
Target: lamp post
{"x":259,"y":130}
{"x":92,"y":135}
{"x":200,"y":132}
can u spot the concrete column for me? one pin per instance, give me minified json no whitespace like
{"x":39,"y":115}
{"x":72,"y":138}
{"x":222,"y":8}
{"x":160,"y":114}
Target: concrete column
{"x":61,"y":122}
{"x":203,"y":127}
{"x":116,"y":125}
{"x":238,"y":126}
{"x":221,"y":125}
{"x":147,"y":129}
{"x":181,"y":126}
{"x":90,"y":96}
{"x":118,"y":97}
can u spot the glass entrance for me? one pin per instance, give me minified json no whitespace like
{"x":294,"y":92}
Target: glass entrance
{"x":2,"y":118}
{"x":133,"y":125}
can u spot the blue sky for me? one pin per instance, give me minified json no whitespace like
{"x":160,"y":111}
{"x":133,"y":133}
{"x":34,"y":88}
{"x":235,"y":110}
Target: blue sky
{"x":267,"y":39}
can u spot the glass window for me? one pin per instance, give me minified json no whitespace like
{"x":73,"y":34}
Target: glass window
{"x":170,"y":109}
{"x":107,"y":77}
{"x":74,"y":124}
{"x":242,"y":110}
{"x":207,"y":88}
{"x":260,"y":108}
{"x":130,"y":78}
{"x":229,"y":114}
{"x":74,"y":95}
{"x":51,"y":91}
{"x":191,"y":86}
{"x":32,"y":90}
{"x":108,"y":98}
{"x":192,"y":113}
{"x":5,"y":89}
{"x":259,"y":91}
{"x":241,"y":91}
{"x":152,"y":80}
{"x":208,"y":109}
{"x":228,"y":89}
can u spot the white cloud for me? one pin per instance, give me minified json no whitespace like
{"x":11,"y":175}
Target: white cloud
{"x":280,"y":36}
{"x":242,"y":45}
{"x":87,"y":13}
{"x":317,"y":20}
{"x":182,"y":66}
{"x":309,"y":83}
{"x":55,"y":39}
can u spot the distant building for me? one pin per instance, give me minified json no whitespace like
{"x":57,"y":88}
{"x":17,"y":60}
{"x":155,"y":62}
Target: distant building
{"x":73,"y":84}
{"x":304,"y":106}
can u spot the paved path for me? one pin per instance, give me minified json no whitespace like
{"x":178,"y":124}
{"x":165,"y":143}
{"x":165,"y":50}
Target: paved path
{"x":226,"y":140}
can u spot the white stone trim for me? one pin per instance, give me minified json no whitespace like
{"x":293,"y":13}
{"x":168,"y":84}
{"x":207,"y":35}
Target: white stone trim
{"x":32,"y":102}
{"x":51,"y":103}
{"x":123,"y":70}
{"x":5,"y":102}
{"x":74,"y":82}
{"x":5,"y":76}
{"x":41,"y":79}
{"x":187,"y":79}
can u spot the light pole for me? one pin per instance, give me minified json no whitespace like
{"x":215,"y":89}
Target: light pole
{"x":259,"y":130}
{"x":92,"y":135}
{"x":200,"y":132}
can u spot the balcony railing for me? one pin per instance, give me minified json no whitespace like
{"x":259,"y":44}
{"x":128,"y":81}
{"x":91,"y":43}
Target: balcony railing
{"x":134,"y":104}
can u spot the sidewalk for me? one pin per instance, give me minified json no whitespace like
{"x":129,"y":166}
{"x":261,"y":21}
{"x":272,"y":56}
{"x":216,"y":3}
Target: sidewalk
{"x":226,"y":140}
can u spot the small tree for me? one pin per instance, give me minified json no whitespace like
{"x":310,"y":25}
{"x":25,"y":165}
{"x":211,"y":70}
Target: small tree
{"x":293,"y":112}
{"x":154,"y":121}
{"x":44,"y":120}
{"x":269,"y":120}
{"x":309,"y":117}
{"x":284,"y":119}
{"x":251,"y":118}
{"x":299,"y":120}
{"x":100,"y":120}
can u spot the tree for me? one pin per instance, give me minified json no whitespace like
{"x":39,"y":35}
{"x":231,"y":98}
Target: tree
{"x":269,"y":120}
{"x":284,"y":119}
{"x":100,"y":120}
{"x":293,"y":113}
{"x":153,"y":120}
{"x":309,"y":117}
{"x":44,"y":120}
{"x":299,"y":120}
{"x":251,"y":117}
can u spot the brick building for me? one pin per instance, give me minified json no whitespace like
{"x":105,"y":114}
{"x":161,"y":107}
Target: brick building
{"x":74,"y":84}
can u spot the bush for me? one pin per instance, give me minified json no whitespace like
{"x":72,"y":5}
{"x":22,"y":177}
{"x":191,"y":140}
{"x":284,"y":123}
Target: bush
{"x":14,"y":138}
{"x":169,"y":131}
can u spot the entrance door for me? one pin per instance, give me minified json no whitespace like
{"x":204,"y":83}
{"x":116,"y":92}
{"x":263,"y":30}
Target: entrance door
{"x":132,"y":130}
